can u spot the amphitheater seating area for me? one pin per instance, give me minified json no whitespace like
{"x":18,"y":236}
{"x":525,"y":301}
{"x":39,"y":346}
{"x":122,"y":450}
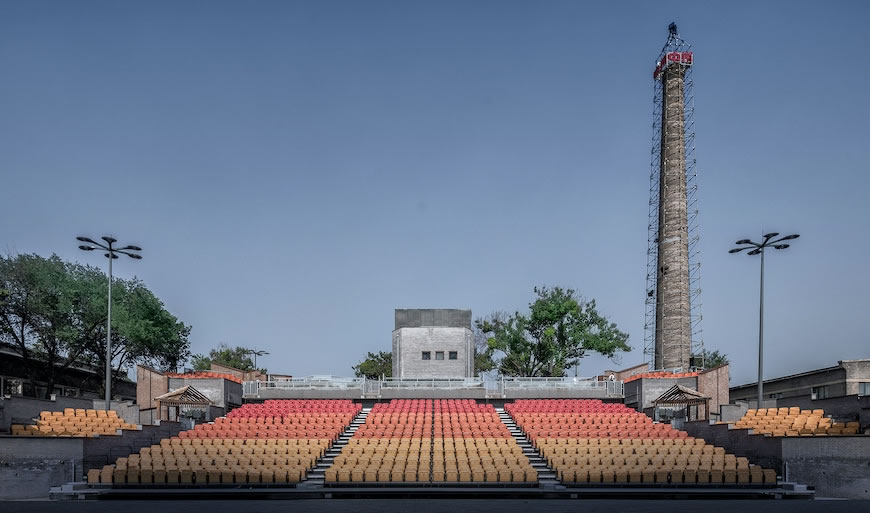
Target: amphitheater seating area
{"x":591,"y":442}
{"x":794,"y":422}
{"x":276,"y":442}
{"x":431,"y":441}
{"x":74,"y":423}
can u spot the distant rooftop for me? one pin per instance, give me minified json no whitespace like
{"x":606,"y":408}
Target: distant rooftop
{"x":204,"y":375}
{"x":433,"y":317}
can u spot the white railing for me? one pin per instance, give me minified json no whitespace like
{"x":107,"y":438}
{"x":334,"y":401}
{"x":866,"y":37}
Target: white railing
{"x":492,"y":386}
{"x":431,"y":383}
{"x":558,"y":382}
{"x":611,"y":388}
{"x":252,"y":388}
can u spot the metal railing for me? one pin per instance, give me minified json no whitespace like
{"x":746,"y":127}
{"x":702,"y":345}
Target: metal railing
{"x":557,"y":382}
{"x":432,"y":383}
{"x":493,"y":386}
{"x":611,"y":388}
{"x":252,"y":388}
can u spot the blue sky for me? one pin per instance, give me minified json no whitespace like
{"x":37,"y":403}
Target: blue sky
{"x":296,"y":170}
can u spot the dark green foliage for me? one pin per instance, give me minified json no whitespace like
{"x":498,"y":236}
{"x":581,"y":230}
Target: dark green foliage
{"x":375,"y":365}
{"x":709,"y":359}
{"x":54,"y":314}
{"x":484,"y":354}
{"x":238,"y":357}
{"x":558,"y":331}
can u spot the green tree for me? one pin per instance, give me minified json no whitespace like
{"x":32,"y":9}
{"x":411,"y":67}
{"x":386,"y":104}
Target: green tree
{"x":54,"y":314}
{"x":375,"y":365}
{"x":238,"y":357}
{"x":36,"y":316}
{"x":143,"y":331}
{"x":558,"y":331}
{"x":484,"y":355}
{"x":709,"y":359}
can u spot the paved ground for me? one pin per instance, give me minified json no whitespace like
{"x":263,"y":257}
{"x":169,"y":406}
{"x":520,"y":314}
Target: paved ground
{"x":433,"y":506}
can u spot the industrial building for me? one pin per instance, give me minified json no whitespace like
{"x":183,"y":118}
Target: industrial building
{"x":847,"y":378}
{"x":433,"y":343}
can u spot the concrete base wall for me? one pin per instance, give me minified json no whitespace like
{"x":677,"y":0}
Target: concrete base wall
{"x":732,"y":412}
{"x":836,"y":466}
{"x":29,"y":466}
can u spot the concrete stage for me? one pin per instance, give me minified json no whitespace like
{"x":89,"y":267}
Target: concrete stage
{"x":440,"y":505}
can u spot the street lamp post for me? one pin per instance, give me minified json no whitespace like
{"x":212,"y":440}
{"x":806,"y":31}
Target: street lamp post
{"x":256,"y":353}
{"x":758,"y":249}
{"x":111,"y":253}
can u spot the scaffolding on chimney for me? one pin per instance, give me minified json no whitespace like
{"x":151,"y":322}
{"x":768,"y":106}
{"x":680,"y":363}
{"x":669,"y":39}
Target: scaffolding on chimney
{"x":673,"y":44}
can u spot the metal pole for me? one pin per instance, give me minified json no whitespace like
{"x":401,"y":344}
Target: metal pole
{"x":761,"y":334}
{"x":109,"y":339}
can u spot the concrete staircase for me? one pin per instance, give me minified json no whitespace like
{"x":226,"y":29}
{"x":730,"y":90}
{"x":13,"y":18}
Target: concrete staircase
{"x":546,"y":476}
{"x":316,"y":476}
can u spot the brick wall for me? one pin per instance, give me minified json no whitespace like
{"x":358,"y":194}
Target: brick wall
{"x":714,"y":383}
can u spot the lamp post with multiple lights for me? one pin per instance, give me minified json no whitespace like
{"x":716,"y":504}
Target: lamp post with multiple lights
{"x":757,"y":248}
{"x":256,"y":353}
{"x":111,"y":253}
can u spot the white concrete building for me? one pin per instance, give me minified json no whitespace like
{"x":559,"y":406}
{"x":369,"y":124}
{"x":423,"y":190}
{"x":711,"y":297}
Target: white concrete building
{"x":433,"y":343}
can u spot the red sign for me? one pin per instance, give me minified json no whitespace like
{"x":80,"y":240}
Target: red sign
{"x":682,"y":58}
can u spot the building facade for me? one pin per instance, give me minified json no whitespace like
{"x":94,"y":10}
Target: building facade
{"x":433,"y":343}
{"x":848,"y":377}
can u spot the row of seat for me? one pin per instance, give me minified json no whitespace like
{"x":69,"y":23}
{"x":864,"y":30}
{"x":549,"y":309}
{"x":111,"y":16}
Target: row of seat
{"x":196,"y":476}
{"x":78,"y":412}
{"x":556,"y":406}
{"x":794,"y":422}
{"x":238,"y":447}
{"x":288,"y":419}
{"x":453,"y":475}
{"x":424,"y":441}
{"x":241,"y":443}
{"x":599,"y":454}
{"x":623,"y":442}
{"x":779,"y":412}
{"x":668,"y":476}
{"x":237,"y":452}
{"x":279,"y":407}
{"x":74,"y":423}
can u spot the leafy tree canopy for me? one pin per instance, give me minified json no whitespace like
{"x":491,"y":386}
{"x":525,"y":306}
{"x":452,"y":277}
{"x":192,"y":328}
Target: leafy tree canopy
{"x":54,"y":313}
{"x":375,"y":365}
{"x":558,"y":331}
{"x":238,"y":357}
{"x":484,"y":354}
{"x":709,"y":359}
